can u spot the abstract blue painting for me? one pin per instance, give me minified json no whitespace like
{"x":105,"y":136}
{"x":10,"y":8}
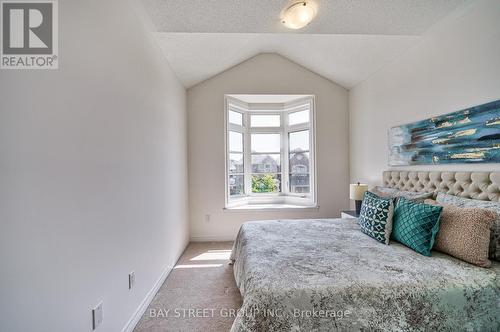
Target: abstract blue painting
{"x":471,"y":135}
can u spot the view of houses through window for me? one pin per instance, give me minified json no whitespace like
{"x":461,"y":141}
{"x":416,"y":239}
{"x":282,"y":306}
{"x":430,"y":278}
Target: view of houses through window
{"x":269,"y":150}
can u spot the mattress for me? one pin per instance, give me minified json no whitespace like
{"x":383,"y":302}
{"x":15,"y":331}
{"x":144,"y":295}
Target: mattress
{"x":326,"y":275}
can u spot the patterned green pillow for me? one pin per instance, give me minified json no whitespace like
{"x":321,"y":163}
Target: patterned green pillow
{"x":416,"y":225}
{"x":375,"y":217}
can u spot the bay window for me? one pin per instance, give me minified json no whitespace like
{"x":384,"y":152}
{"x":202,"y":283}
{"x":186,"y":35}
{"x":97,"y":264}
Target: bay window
{"x":270,"y":152}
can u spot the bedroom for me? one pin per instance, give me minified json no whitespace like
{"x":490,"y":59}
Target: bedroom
{"x":131,"y":160}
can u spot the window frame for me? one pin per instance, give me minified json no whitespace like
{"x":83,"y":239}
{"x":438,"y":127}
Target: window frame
{"x":283,"y":110}
{"x":242,"y":130}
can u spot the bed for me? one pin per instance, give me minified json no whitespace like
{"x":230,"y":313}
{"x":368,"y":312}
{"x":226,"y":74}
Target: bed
{"x":326,"y":275}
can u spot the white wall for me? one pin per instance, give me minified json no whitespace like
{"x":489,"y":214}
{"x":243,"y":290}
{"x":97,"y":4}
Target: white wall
{"x":263,"y":74}
{"x":456,"y":66}
{"x":93,"y":175}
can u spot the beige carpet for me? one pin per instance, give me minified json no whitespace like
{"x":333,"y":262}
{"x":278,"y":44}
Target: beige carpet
{"x":199,"y":294}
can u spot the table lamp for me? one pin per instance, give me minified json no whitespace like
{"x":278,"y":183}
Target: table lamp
{"x":356,"y":192}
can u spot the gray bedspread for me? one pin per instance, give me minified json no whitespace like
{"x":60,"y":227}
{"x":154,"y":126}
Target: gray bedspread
{"x":325,"y":275}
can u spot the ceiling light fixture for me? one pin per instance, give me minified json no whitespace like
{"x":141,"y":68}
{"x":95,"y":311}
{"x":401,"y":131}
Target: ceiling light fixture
{"x":299,"y":14}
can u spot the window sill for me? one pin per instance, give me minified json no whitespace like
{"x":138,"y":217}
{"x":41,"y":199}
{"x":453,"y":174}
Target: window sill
{"x":270,"y":207}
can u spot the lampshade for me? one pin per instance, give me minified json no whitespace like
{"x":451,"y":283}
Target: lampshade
{"x":299,"y":14}
{"x":357,"y":190}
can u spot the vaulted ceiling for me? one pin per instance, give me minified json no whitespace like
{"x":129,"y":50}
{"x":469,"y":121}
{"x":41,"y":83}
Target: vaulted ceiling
{"x":346,"y":43}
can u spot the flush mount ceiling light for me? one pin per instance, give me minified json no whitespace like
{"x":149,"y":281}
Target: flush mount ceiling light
{"x":299,"y":14}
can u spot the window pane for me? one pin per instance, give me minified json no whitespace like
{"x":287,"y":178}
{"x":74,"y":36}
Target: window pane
{"x":299,"y":162}
{"x":267,"y":120}
{"x":236,"y":118}
{"x":298,"y":117}
{"x":266,"y":183}
{"x":235,"y":141}
{"x":236,"y":163}
{"x":299,"y":183}
{"x":299,"y":173}
{"x":266,"y":143}
{"x":266,"y":163}
{"x":236,"y":185}
{"x":299,"y":141}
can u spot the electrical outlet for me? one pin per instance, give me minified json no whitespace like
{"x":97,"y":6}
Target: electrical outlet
{"x":207,"y":218}
{"x":97,"y":316}
{"x":131,"y":280}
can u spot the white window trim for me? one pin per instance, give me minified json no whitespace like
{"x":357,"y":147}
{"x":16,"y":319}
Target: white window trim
{"x":270,"y":200}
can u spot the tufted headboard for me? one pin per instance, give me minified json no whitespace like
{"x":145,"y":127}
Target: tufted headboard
{"x":476,"y":185}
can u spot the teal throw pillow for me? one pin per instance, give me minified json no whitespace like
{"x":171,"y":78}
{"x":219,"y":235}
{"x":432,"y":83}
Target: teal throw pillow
{"x":416,"y":225}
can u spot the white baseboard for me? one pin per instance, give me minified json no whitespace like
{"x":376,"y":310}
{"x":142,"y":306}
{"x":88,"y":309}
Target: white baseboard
{"x":136,"y":317}
{"x":203,"y":238}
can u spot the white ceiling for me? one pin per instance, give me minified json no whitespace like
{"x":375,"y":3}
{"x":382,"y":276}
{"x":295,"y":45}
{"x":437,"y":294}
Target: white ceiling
{"x":346,"y":43}
{"x":387,"y":17}
{"x":344,"y":59}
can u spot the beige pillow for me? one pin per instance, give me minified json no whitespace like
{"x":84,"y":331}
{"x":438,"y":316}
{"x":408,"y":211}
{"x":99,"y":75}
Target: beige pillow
{"x":464,"y":233}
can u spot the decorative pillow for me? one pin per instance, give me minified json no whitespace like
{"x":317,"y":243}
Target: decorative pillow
{"x":396,"y":193}
{"x":416,"y":225}
{"x":464,"y":233}
{"x":494,"y":252}
{"x":375,"y":217}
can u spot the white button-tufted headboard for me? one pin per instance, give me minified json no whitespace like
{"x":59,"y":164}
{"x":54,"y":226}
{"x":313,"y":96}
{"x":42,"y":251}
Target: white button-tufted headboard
{"x":476,"y":185}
